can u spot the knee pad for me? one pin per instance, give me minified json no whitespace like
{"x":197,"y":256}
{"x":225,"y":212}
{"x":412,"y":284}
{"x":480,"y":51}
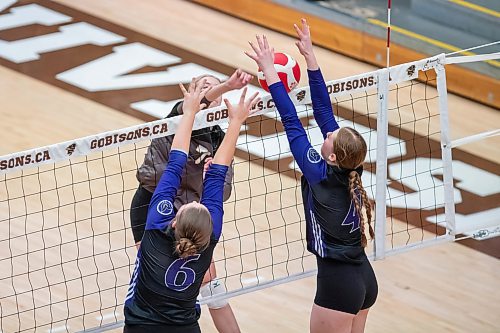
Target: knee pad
{"x":213,"y":288}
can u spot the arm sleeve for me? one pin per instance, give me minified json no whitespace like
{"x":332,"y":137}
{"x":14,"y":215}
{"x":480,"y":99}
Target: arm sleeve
{"x":161,"y":208}
{"x":311,"y":164}
{"x":322,"y":106}
{"x":228,"y":182}
{"x":213,"y":194}
{"x":160,"y":149}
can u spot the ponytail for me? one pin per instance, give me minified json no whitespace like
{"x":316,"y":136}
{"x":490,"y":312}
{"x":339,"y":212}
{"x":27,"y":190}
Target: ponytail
{"x":185,"y":248}
{"x":193,"y":230}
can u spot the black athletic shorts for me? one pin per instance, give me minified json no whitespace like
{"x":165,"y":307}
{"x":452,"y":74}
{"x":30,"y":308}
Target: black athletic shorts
{"x":193,"y":328}
{"x":139,"y":212}
{"x":345,"y":287}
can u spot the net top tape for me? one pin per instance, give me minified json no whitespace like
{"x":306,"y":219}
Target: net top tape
{"x":214,"y":116}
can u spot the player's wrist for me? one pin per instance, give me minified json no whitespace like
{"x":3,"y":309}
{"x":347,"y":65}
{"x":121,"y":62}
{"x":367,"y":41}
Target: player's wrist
{"x":190,"y":113}
{"x":236,"y":123}
{"x":312,"y":63}
{"x":227,"y":86}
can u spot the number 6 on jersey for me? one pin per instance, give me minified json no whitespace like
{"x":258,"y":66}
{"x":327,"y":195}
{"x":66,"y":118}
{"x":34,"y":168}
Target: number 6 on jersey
{"x":179,"y":267}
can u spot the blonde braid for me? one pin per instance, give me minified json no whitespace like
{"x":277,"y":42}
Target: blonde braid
{"x":368,"y":209}
{"x":354,"y":184}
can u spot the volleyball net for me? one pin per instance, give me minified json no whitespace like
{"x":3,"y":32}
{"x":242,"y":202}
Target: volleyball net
{"x":67,"y":250}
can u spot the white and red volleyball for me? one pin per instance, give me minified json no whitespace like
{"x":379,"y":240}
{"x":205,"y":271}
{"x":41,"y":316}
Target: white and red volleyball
{"x":288,"y":71}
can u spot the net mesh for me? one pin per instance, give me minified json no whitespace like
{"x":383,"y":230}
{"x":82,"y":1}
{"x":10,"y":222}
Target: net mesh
{"x":66,"y":247}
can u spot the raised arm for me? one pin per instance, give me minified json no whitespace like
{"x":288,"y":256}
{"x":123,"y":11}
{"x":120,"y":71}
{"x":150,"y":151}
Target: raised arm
{"x":310,"y":162}
{"x":237,"y":80}
{"x":322,"y":106}
{"x":161,"y":207}
{"x":213,"y":185}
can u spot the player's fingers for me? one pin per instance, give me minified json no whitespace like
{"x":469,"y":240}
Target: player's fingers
{"x":248,"y":78}
{"x":243,"y":95}
{"x":192,"y":85}
{"x":183,"y":89}
{"x":260,"y":42}
{"x":252,"y":107}
{"x":252,"y":100}
{"x":242,"y":76}
{"x":298,"y":31}
{"x":251,"y":56}
{"x":266,"y":43}
{"x":255,"y":48}
{"x":305,"y":26}
{"x":228,"y":104}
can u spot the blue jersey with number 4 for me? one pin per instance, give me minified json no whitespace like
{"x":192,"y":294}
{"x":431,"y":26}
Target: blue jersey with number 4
{"x":332,"y":223}
{"x":164,"y":287}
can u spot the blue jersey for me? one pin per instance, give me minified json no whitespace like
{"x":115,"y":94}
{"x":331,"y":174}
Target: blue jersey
{"x":332,"y":223}
{"x":164,"y":287}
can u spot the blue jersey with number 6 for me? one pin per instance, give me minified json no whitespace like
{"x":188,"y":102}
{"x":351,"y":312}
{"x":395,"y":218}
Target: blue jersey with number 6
{"x":164,"y":287}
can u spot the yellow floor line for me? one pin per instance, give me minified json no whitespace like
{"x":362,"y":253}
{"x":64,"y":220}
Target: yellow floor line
{"x":477,"y":8}
{"x":428,"y":40}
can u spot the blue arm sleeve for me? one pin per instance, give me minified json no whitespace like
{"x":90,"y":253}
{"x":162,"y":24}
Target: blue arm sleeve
{"x":161,"y":208}
{"x":311,"y":164}
{"x":213,"y":193}
{"x":322,"y":107}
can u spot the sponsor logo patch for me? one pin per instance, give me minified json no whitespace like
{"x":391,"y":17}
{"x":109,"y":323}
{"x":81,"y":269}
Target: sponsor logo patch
{"x":165,"y":207}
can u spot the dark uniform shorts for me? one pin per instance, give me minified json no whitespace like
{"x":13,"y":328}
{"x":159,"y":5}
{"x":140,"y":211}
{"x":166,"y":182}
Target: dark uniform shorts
{"x":345,"y":287}
{"x":193,"y":328}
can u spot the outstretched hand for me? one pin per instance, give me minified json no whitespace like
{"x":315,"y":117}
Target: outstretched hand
{"x":193,"y":97}
{"x":263,"y":54}
{"x":240,"y":112}
{"x":238,"y":80}
{"x":304,"y":44}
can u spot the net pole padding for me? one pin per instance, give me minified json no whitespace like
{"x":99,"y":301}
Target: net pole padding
{"x":475,"y":138}
{"x":473,"y":58}
{"x":446,"y":147}
{"x":381,"y":164}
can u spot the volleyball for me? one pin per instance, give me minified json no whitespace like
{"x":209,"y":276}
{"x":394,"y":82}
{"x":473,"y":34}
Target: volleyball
{"x":288,"y":71}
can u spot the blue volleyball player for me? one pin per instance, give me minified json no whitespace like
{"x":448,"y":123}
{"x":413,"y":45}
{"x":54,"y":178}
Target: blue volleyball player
{"x":333,"y":197}
{"x":177,"y":248}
